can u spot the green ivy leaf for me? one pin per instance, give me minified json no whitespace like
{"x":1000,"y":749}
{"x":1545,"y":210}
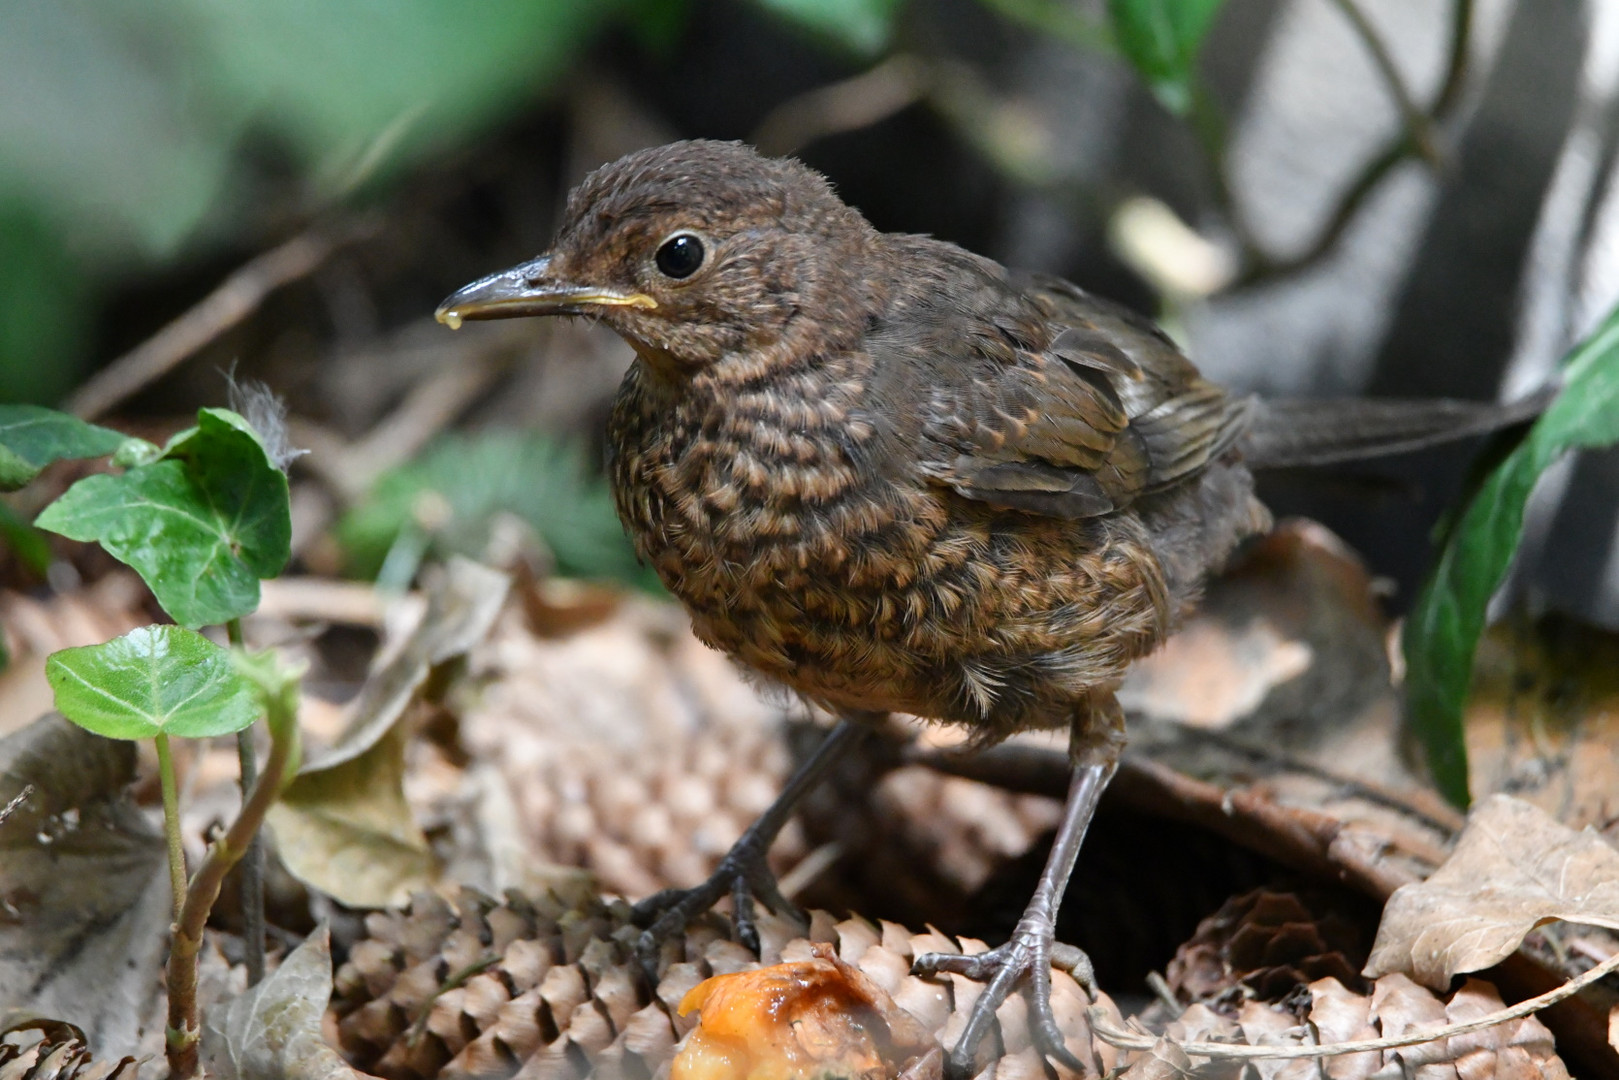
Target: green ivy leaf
{"x":157,"y":680}
{"x":32,"y":437}
{"x":201,"y":524}
{"x":1161,"y":38}
{"x":1444,"y":628}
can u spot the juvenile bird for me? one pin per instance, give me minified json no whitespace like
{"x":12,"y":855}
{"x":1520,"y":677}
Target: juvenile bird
{"x":893,"y":475}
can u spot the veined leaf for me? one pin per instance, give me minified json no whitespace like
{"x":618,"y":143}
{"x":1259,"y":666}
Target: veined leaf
{"x":156,"y":680}
{"x":31,"y":437}
{"x":201,"y":524}
{"x":1444,"y":628}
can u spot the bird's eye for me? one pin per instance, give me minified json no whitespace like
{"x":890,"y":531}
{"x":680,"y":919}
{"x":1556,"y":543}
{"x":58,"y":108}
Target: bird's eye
{"x":680,"y":256}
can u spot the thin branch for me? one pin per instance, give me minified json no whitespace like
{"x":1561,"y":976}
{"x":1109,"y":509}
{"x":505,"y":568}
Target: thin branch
{"x":20,"y":798}
{"x":1262,"y":267}
{"x":1304,"y":840}
{"x":252,"y":877}
{"x":1461,"y":33}
{"x":1130,"y":1040}
{"x":183,"y":1032}
{"x":237,"y":297}
{"x":848,"y":105}
{"x":1418,"y":124}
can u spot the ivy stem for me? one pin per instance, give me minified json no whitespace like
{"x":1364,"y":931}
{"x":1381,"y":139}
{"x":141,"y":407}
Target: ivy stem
{"x":183,"y":1031}
{"x":171,"y":822}
{"x":252,"y":877}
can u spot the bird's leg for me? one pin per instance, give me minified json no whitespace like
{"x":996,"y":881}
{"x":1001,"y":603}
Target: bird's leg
{"x":1095,"y":743}
{"x":744,"y":874}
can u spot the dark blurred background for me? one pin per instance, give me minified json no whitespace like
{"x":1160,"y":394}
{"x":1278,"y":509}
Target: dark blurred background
{"x":1395,"y":197}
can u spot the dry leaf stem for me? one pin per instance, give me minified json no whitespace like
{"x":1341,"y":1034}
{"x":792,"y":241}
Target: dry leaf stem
{"x":1132,"y":1040}
{"x":183,"y":1030}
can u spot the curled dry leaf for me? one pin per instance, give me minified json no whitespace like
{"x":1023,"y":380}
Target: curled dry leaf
{"x":1513,"y":869}
{"x":273,"y":1031}
{"x":348,"y":830}
{"x":54,"y":1050}
{"x":83,"y":888}
{"x":343,"y":826}
{"x":819,"y":1016}
{"x":1207,"y":1045}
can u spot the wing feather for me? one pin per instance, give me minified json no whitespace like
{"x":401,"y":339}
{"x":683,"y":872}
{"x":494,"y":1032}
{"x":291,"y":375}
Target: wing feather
{"x":1066,"y":405}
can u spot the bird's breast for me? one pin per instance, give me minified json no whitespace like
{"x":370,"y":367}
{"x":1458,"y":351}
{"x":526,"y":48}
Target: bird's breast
{"x":775,"y":512}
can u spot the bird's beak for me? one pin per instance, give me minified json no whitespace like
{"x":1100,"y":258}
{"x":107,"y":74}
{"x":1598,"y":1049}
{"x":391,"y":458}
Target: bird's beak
{"x":530,"y":289}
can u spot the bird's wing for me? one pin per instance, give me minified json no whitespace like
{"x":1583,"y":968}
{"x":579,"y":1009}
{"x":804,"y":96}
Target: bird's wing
{"x":1067,"y":405}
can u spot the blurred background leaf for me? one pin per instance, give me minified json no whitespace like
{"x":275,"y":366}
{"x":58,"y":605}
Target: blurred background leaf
{"x":863,"y":26}
{"x":449,"y":501}
{"x":124,"y":128}
{"x":1161,"y":38}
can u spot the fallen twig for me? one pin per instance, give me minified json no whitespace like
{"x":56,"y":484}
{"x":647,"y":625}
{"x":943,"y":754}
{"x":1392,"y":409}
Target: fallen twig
{"x":237,"y":297}
{"x":20,"y":798}
{"x":1130,"y":1040}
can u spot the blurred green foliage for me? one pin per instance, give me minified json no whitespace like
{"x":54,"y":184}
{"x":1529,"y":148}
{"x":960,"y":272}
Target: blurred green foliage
{"x":448,"y":500}
{"x":135,"y":131}
{"x":1162,"y":38}
{"x":861,"y":26}
{"x":122,"y":123}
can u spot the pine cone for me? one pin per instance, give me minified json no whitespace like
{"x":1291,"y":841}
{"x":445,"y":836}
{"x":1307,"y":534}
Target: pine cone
{"x":551,"y":986}
{"x":635,"y":753}
{"x":1265,"y":945}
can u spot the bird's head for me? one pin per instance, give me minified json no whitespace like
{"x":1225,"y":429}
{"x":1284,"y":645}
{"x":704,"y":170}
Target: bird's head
{"x":692,"y":251}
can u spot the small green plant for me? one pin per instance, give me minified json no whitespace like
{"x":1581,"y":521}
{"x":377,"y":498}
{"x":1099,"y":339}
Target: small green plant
{"x":202,"y":520}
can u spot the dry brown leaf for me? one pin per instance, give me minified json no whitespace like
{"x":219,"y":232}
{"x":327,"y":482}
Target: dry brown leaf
{"x":343,"y":825}
{"x":54,"y":1050}
{"x":1165,"y":1061}
{"x":83,"y":889}
{"x":348,"y":830}
{"x":461,"y":607}
{"x":273,"y":1032}
{"x":1292,"y":626}
{"x":1513,"y":869}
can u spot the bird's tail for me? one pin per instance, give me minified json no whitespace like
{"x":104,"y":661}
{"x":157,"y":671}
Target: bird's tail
{"x":1288,"y":433}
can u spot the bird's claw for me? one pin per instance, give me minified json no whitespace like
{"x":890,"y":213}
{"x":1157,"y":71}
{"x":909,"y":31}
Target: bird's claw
{"x":1028,"y":955}
{"x":744,"y":875}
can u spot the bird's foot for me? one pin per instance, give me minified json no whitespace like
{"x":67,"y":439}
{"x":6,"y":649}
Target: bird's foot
{"x":744,"y":875}
{"x":1028,"y":957}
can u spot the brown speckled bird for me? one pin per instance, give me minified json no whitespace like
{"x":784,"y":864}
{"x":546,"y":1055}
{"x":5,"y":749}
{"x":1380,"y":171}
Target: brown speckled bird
{"x":895,"y":476}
